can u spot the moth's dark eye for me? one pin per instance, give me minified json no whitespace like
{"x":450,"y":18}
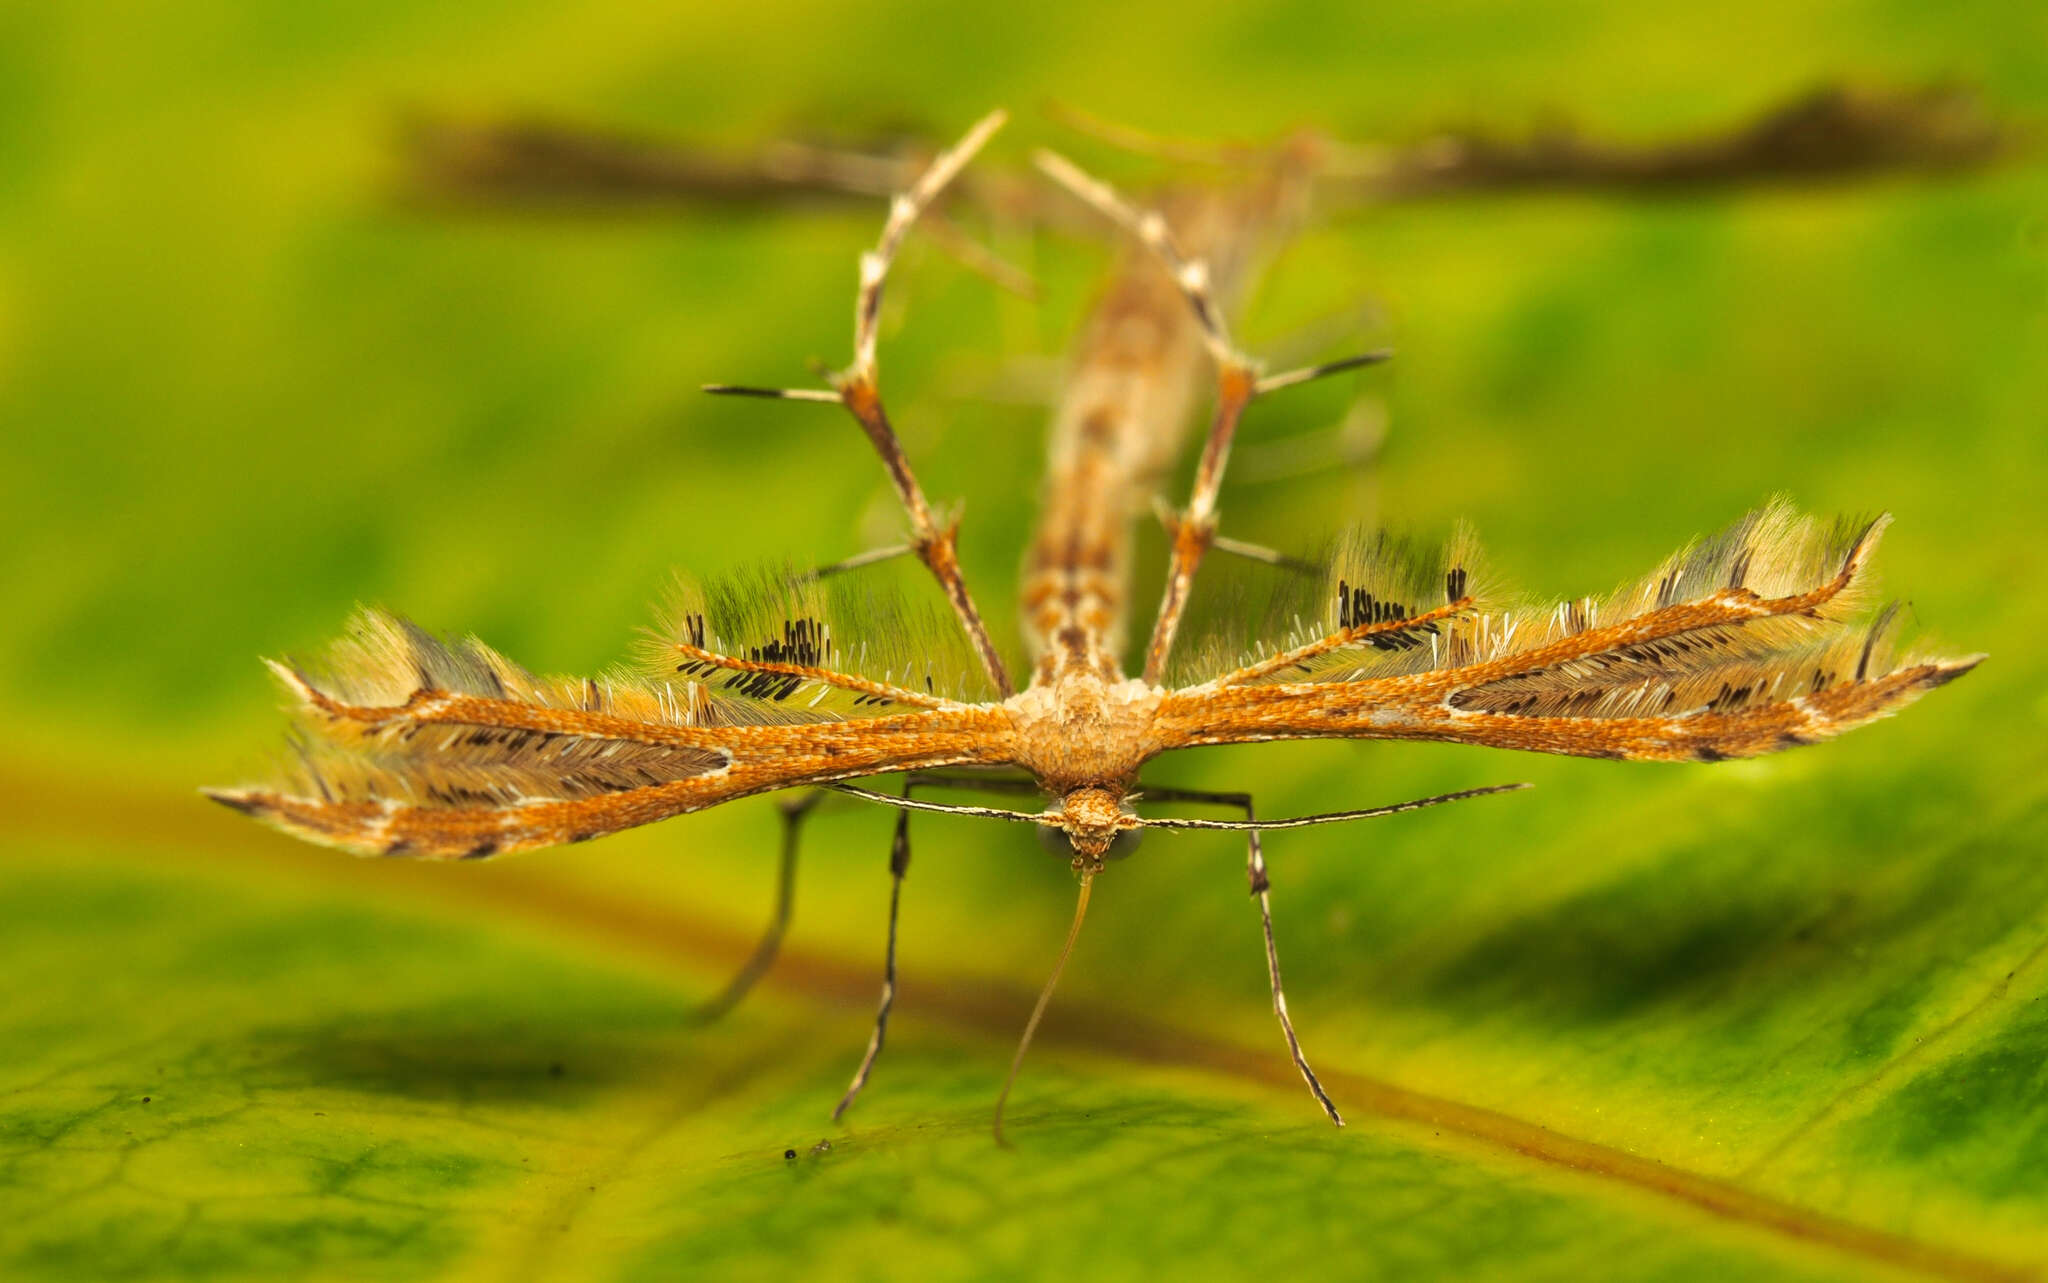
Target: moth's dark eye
{"x":1056,"y":841}
{"x":1125,"y":842}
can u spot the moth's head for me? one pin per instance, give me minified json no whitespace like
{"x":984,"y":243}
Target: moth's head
{"x":1096,"y":826}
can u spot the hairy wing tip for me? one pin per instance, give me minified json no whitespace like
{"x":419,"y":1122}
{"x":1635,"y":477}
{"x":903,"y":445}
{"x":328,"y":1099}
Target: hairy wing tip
{"x":246,"y":801}
{"x":293,"y":679}
{"x":1945,"y":671}
{"x":1866,"y":542}
{"x":290,"y":815}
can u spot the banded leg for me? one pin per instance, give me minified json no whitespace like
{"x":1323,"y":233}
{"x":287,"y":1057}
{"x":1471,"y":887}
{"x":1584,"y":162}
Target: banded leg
{"x":971,"y":782}
{"x":1261,"y":886}
{"x":859,"y":390}
{"x":1273,"y":557}
{"x":793,"y":815}
{"x":859,"y":561}
{"x":899,"y":864}
{"x":1238,"y":383}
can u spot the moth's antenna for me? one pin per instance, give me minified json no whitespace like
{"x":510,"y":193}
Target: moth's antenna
{"x":912,"y":804}
{"x":1044,"y":997}
{"x":1331,"y":817}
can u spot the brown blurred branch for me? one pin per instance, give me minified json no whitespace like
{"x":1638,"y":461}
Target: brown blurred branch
{"x":1833,"y":133}
{"x":537,"y":163}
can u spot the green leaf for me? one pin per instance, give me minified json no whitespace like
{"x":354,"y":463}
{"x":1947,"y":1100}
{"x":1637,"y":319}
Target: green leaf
{"x":1767,"y":1020}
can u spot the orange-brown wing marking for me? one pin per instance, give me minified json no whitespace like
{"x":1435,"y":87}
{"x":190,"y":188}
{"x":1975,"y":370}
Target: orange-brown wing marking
{"x":1406,"y":708}
{"x":1695,"y":680}
{"x":1350,"y":636}
{"x":448,"y":776}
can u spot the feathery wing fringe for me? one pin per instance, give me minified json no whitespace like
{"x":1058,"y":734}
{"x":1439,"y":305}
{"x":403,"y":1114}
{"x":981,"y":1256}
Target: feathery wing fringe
{"x":794,"y":625}
{"x":416,"y":747}
{"x":1742,"y":644}
{"x":1378,"y":577}
{"x":1361,"y":578}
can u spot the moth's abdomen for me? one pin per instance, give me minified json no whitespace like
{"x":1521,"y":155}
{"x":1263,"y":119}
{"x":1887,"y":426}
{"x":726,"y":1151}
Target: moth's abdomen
{"x":1119,"y":428}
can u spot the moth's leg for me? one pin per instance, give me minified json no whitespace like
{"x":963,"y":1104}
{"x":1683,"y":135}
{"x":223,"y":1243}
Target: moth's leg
{"x":1261,"y":886}
{"x":1239,"y":380}
{"x":1194,"y":527}
{"x":1240,"y":547}
{"x":1154,"y":146}
{"x":859,"y":561}
{"x":1347,"y":448}
{"x":860,"y":392}
{"x":858,"y":388}
{"x":1267,"y":556}
{"x":899,"y":864}
{"x":972,"y":782}
{"x":793,"y":815}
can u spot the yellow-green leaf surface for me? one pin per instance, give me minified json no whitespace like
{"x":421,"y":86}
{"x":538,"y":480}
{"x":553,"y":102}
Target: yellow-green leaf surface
{"x":1780,"y":1019}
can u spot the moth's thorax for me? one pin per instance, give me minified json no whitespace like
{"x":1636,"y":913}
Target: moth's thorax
{"x":1078,"y":730}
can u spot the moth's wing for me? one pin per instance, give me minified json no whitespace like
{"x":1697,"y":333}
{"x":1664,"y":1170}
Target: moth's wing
{"x":1744,"y":644}
{"x":419,"y":748}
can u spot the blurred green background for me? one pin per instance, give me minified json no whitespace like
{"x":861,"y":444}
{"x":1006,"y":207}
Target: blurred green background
{"x":1783,"y":1018}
